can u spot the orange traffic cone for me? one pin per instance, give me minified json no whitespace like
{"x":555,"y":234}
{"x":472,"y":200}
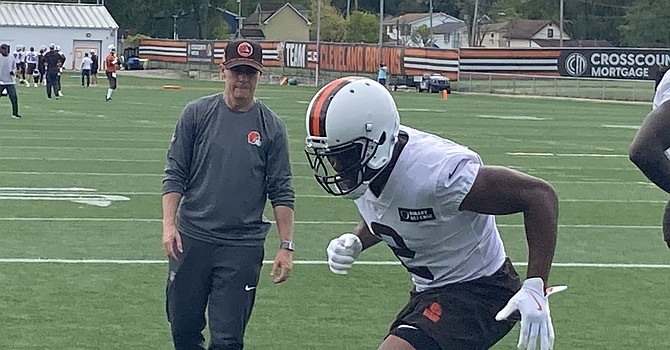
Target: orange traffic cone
{"x":445,"y":95}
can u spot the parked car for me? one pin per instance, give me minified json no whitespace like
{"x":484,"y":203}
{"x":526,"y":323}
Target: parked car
{"x":434,"y":82}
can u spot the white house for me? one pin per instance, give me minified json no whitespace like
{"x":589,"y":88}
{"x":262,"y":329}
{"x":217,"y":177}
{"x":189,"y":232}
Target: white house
{"x":448,"y":31}
{"x":76,"y":28}
{"x":519,"y":33}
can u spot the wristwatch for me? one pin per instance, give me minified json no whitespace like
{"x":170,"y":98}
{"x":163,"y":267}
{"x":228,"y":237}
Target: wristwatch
{"x":288,"y":245}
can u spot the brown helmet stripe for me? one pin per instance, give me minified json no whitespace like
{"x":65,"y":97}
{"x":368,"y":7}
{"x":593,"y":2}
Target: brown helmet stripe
{"x":317,"y":115}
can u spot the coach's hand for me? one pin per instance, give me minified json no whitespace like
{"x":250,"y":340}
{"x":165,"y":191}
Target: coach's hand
{"x":531,"y":301}
{"x":281,"y":269}
{"x":342,"y":251}
{"x":171,"y":240}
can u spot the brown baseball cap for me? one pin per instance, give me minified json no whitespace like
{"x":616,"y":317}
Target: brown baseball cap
{"x":244,"y":53}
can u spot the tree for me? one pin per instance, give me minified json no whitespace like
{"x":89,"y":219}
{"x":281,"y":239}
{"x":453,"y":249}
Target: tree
{"x":333,"y":26}
{"x":421,"y":37}
{"x":362,"y":27}
{"x":645,"y":24}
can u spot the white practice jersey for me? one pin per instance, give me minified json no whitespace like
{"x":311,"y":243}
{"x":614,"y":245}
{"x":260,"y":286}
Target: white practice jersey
{"x":663,"y":90}
{"x":417,"y":214}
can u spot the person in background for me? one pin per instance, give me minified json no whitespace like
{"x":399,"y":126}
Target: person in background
{"x":94,"y":68}
{"x":61,"y":67}
{"x":31,"y":60}
{"x":7,"y":78}
{"x":381,"y":74}
{"x":86,"y":65}
{"x":110,"y":70}
{"x":52,"y":62}
{"x":41,"y":67}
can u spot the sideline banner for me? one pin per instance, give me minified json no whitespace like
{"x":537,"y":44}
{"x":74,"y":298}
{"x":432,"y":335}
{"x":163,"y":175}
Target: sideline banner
{"x":612,"y":63}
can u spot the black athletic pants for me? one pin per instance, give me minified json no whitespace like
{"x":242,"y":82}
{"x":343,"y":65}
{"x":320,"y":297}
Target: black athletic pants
{"x":13,"y":98}
{"x":222,"y":279}
{"x":86,"y":73}
{"x":52,"y":83}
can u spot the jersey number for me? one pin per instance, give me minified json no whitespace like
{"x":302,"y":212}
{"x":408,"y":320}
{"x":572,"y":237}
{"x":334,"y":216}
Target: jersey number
{"x":401,"y":250}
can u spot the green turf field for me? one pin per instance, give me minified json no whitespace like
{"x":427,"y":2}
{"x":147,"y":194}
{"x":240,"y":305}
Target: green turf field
{"x":66,"y":159}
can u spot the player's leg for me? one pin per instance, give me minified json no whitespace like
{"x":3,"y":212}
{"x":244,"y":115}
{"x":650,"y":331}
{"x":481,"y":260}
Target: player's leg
{"x":13,"y":97}
{"x":409,"y":338}
{"x":112,"y":85}
{"x":188,"y":288}
{"x":234,"y":282}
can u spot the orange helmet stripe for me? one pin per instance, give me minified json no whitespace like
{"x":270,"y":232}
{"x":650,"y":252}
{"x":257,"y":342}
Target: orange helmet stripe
{"x":317,"y":116}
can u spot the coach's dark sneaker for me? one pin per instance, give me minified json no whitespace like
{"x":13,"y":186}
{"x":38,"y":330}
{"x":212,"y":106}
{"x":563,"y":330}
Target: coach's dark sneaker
{"x":16,"y":116}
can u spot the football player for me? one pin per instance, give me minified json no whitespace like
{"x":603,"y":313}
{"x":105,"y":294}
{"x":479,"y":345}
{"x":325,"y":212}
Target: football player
{"x":649,"y":147}
{"x":433,"y":201}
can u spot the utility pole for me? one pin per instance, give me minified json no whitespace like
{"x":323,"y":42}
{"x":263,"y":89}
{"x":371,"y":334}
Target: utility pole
{"x":560,"y":41}
{"x":381,"y":31}
{"x":174,"y":27}
{"x":430,"y":9}
{"x":348,"y":8}
{"x":239,"y":19}
{"x":318,"y":43}
{"x":474,"y":25}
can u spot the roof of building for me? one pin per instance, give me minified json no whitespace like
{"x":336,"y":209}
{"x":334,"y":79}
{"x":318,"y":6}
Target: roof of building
{"x":519,"y":28}
{"x":35,"y":14}
{"x":252,"y":33}
{"x":449,"y":27}
{"x":409,"y":18}
{"x":573,"y":43}
{"x":265,"y":11}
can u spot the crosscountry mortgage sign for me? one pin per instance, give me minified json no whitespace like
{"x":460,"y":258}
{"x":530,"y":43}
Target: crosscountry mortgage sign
{"x":612,"y":63}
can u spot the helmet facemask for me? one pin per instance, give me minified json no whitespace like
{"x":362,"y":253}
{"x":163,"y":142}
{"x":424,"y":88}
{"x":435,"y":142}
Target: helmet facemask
{"x":341,"y":170}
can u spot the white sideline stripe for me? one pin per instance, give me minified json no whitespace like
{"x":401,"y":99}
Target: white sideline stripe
{"x":569,"y":200}
{"x":71,"y":173}
{"x":303,"y":262}
{"x":87,"y":159}
{"x":306,"y":222}
{"x":543,"y":154}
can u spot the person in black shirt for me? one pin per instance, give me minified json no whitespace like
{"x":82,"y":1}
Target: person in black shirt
{"x":52,"y":60}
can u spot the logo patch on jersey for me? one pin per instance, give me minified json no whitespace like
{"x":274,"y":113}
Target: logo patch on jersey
{"x":433,"y":312}
{"x":254,"y":138}
{"x":416,"y":215}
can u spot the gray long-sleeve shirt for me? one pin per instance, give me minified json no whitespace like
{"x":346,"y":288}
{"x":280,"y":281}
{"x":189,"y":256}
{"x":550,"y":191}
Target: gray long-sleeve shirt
{"x":7,"y":66}
{"x":226,"y":164}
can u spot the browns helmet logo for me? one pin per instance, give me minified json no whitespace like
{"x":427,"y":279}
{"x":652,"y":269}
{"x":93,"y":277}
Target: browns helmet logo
{"x":254,"y":138}
{"x":245,"y":49}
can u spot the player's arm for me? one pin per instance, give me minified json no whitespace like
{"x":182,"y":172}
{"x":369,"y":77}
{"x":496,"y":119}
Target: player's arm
{"x":647,"y":151}
{"x":362,"y":231}
{"x":501,"y":191}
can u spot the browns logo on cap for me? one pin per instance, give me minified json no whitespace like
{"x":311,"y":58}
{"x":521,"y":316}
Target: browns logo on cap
{"x":243,"y":53}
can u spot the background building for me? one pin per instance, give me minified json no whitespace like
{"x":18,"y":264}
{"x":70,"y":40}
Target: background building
{"x":77,"y":28}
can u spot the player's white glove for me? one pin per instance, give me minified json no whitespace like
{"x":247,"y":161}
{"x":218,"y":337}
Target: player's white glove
{"x":342,"y":251}
{"x":533,"y":305}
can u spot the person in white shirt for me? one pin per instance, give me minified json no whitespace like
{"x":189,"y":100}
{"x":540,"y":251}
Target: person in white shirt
{"x":649,"y":149}
{"x":86,"y":65}
{"x":433,"y":201}
{"x":31,"y":60}
{"x":7,"y":79}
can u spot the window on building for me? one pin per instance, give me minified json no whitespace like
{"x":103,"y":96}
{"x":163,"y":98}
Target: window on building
{"x":550,"y":33}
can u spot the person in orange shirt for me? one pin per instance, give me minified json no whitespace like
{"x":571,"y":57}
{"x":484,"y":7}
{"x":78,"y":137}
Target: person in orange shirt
{"x":110,"y":70}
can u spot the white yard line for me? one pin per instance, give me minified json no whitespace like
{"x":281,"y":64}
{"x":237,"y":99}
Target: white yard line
{"x":303,"y":262}
{"x":75,"y":219}
{"x":74,"y":173}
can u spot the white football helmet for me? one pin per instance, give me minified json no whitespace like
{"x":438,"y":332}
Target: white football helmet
{"x":352,"y":126}
{"x":111,"y":47}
